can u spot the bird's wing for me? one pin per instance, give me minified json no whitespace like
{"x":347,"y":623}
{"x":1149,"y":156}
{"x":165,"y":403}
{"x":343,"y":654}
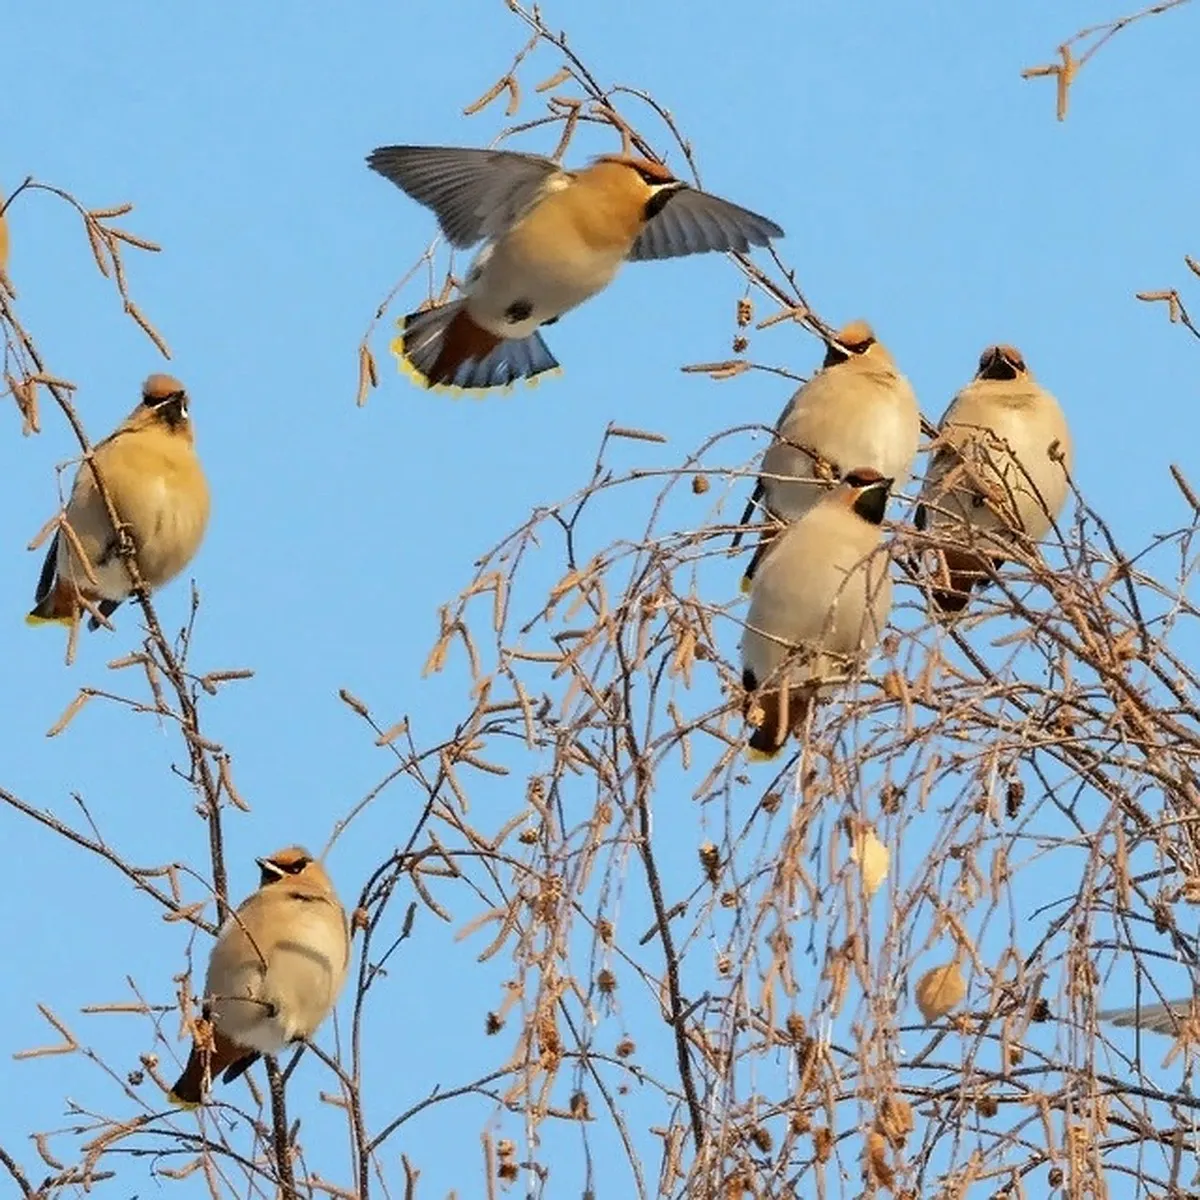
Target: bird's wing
{"x":1156,"y":1018}
{"x":692,"y":222}
{"x":475,"y":194}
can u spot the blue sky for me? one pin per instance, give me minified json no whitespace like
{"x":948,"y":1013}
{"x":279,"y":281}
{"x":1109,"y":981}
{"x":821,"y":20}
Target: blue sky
{"x":922,"y":183}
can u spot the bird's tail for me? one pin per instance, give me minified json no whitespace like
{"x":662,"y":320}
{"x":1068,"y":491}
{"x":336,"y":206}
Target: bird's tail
{"x":59,"y":606}
{"x":765,"y":539}
{"x":444,"y":347}
{"x":205,"y":1063}
{"x":781,"y":715}
{"x":965,"y":572}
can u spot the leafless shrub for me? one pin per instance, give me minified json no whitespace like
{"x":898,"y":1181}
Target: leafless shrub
{"x":766,"y":1030}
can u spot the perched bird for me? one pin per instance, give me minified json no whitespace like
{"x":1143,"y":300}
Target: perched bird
{"x":554,"y":238}
{"x":157,"y":486}
{"x":994,"y":470}
{"x":1155,"y":1018}
{"x":856,"y":411}
{"x":275,"y":972}
{"x":819,"y":604}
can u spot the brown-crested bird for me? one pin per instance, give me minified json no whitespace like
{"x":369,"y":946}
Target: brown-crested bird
{"x":819,"y":604}
{"x":554,"y":238}
{"x":995,"y":468}
{"x":158,"y":489}
{"x":858,"y":410}
{"x":275,"y":972}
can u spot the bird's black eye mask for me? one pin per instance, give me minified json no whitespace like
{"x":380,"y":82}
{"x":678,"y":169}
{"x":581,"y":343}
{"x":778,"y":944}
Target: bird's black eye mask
{"x":171,"y":408}
{"x":273,"y":872}
{"x":654,"y":176}
{"x":841,"y":353}
{"x":153,"y":402}
{"x":1001,"y":369}
{"x":872,"y":503}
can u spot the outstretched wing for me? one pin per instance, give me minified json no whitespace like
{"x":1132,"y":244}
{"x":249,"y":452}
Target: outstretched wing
{"x":692,"y":222}
{"x":1157,"y":1018}
{"x":475,"y":194}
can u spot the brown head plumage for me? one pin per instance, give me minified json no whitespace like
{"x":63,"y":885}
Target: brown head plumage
{"x":865,"y":491}
{"x":653,"y":173}
{"x":1001,"y":362}
{"x":159,"y":388}
{"x":164,"y":403}
{"x":290,"y":863}
{"x":856,"y":337}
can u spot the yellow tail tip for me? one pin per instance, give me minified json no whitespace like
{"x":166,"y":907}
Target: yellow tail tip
{"x":761,"y":756}
{"x":746,"y":585}
{"x":407,"y":368}
{"x":185,"y":1104}
{"x":35,"y":620}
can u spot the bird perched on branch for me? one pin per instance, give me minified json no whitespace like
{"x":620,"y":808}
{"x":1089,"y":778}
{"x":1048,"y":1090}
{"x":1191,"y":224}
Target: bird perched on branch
{"x":554,"y":238}
{"x":1000,"y":464}
{"x":275,"y":972}
{"x":856,"y":411}
{"x":154,"y":479}
{"x":819,"y":604}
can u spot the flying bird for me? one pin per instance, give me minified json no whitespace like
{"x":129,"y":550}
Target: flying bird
{"x":1155,"y":1018}
{"x":858,"y":410}
{"x":818,"y":605}
{"x":158,"y":489}
{"x":274,"y":975}
{"x":553,"y":239}
{"x":1000,"y":464}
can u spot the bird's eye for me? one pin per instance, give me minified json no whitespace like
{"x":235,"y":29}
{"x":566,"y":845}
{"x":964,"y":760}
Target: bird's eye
{"x":861,"y":347}
{"x":296,"y":866}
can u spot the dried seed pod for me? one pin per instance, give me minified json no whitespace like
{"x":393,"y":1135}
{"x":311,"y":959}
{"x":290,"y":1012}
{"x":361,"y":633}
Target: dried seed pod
{"x":699,"y":484}
{"x":894,"y":1120}
{"x":1013,"y":797}
{"x":940,"y":990}
{"x":875,"y":1161}
{"x":822,"y":1144}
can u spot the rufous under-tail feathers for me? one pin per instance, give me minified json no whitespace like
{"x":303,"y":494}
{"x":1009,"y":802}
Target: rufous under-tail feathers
{"x":1000,"y":466}
{"x":275,"y":974}
{"x":553,"y":239}
{"x":158,"y":489}
{"x":818,"y":605}
{"x":857,"y":411}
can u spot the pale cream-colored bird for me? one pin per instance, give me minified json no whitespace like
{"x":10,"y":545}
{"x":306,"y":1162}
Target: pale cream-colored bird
{"x":1166,"y":1019}
{"x":554,"y":239}
{"x":275,"y":972}
{"x":858,"y":410}
{"x":157,"y":486}
{"x":1000,"y":464}
{"x":819,"y":604}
